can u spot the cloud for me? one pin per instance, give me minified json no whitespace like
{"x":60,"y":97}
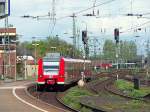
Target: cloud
{"x":21,"y":7}
{"x":111,"y":15}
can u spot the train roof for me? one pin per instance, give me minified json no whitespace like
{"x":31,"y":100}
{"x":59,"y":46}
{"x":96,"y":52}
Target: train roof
{"x":76,"y":60}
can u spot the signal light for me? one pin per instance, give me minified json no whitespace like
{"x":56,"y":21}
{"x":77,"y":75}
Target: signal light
{"x":116,"y":35}
{"x":84,"y":37}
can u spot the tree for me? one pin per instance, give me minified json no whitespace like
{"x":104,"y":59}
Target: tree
{"x":128,"y":50}
{"x":45,"y":46}
{"x":109,"y":50}
{"x":24,"y":49}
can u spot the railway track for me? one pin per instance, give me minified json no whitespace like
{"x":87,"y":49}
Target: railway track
{"x":50,"y":97}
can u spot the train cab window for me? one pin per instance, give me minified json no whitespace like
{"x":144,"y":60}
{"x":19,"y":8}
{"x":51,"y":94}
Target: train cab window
{"x":51,"y":68}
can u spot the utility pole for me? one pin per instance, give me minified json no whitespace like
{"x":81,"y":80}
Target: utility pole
{"x":95,"y":41}
{"x":74,"y":34}
{"x":4,"y":13}
{"x":35,"y":56}
{"x":78,"y":36}
{"x":52,"y":15}
{"x":148,"y":53}
{"x":53,"y":12}
{"x":148,"y":57}
{"x":7,"y":67}
{"x":25,"y":66}
{"x":116,"y":37}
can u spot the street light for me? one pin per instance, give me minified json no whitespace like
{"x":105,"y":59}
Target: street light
{"x":25,"y":66}
{"x":35,"y":45}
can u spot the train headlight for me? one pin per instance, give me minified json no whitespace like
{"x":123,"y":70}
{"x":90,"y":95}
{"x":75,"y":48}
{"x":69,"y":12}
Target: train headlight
{"x":41,"y":76}
{"x":61,"y":76}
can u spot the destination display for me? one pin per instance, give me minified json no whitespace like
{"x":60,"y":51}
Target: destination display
{"x":52,"y":56}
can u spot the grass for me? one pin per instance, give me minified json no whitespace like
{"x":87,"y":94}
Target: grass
{"x":130,"y":106}
{"x":72,"y":98}
{"x":116,"y":103}
{"x":128,"y":88}
{"x":84,"y":109}
{"x":136,"y":106}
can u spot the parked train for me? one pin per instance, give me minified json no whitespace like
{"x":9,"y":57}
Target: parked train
{"x":56,"y":70}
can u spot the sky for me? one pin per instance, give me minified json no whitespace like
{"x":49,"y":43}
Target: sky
{"x":101,"y":26}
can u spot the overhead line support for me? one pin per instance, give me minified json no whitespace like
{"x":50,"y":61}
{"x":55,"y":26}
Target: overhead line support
{"x":74,"y":34}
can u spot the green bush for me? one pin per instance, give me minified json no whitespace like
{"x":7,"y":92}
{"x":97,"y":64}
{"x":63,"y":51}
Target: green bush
{"x":124,"y":85}
{"x":128,"y":88}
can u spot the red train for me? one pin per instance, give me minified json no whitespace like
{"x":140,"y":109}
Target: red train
{"x":56,"y":70}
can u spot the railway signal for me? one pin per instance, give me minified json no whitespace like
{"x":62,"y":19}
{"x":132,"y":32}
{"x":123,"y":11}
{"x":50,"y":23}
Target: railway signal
{"x":116,"y":35}
{"x":84,"y":37}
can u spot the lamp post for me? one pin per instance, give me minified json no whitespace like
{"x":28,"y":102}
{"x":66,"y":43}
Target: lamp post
{"x":15,"y":42}
{"x":35,"y":45}
{"x":83,"y":68}
{"x":25,"y":66}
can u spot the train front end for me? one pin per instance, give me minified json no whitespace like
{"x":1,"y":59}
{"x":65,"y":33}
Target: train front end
{"x":50,"y":70}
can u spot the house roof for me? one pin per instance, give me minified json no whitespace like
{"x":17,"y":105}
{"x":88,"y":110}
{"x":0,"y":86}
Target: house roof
{"x":25,"y":57}
{"x":8,"y":30}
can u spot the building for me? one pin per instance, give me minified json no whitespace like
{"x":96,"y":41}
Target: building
{"x":8,"y":53}
{"x":28,"y":65}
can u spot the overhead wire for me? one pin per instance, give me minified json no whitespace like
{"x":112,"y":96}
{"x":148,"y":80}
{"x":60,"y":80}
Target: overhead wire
{"x":94,"y":5}
{"x":81,"y":11}
{"x":60,"y":18}
{"x":137,"y":26}
{"x":104,"y":3}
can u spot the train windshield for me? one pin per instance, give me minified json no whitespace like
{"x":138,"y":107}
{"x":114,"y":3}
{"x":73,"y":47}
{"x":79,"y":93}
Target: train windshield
{"x":51,"y":68}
